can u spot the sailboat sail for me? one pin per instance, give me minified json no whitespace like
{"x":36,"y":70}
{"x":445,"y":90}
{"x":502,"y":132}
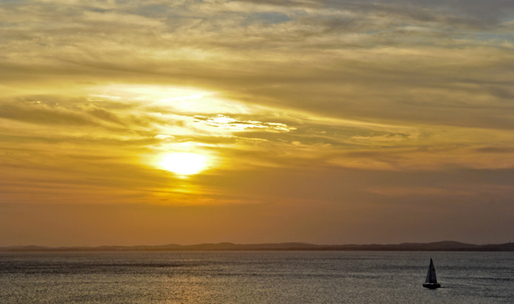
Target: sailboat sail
{"x":431,"y":273}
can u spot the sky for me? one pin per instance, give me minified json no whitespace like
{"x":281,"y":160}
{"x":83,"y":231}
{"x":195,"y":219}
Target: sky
{"x":153,"y":122}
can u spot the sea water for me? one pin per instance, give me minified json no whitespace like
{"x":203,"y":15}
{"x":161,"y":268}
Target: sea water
{"x":255,"y":277}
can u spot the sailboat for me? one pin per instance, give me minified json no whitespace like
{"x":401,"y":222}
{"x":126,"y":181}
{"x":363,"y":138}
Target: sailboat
{"x":431,"y":281}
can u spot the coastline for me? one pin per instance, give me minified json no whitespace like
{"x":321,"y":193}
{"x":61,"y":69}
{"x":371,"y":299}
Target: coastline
{"x":434,"y":246}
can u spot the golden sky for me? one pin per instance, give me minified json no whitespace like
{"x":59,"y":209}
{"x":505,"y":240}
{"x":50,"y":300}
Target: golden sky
{"x":329,"y":122}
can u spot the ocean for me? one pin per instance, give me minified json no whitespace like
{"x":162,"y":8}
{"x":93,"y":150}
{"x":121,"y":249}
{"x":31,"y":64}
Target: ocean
{"x":255,"y":277}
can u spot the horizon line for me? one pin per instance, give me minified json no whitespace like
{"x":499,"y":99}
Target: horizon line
{"x":229,"y":246}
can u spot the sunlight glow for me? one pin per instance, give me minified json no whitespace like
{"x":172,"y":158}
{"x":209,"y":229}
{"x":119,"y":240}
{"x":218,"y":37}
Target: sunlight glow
{"x":183,"y":163}
{"x":174,"y":98}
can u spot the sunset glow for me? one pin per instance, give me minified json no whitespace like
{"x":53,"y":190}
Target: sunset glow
{"x":155,"y":122}
{"x":184,"y":163}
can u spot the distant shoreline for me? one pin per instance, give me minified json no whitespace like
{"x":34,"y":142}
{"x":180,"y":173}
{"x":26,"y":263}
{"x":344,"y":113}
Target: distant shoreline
{"x":434,"y":246}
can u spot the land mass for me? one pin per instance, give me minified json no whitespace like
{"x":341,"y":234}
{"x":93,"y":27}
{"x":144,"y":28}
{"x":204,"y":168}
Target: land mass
{"x":434,"y":246}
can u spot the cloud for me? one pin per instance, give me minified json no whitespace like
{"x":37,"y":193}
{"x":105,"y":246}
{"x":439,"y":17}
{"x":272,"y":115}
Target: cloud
{"x":376,"y":85}
{"x":304,"y":102}
{"x":42,"y":113}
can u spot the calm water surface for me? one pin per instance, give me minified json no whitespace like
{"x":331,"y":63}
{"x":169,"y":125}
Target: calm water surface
{"x":255,"y":277}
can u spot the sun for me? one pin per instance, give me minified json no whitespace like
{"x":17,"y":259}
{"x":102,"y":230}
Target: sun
{"x":183,"y":163}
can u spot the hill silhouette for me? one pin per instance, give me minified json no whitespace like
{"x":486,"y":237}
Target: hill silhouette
{"x":434,"y":246}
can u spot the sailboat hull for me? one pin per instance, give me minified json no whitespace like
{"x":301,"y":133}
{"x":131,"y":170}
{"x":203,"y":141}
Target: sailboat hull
{"x":431,"y":285}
